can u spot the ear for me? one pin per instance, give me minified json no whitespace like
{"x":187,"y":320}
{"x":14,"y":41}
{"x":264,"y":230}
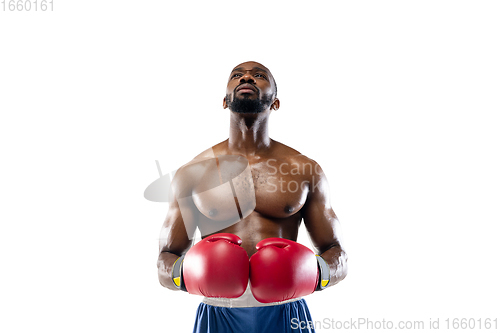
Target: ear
{"x":276,"y":105}
{"x":224,"y":104}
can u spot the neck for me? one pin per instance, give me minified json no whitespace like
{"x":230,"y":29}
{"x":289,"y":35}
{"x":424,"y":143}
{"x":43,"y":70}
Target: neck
{"x":248,"y":133}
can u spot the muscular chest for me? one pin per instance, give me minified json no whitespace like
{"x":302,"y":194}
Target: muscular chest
{"x":277,"y":192}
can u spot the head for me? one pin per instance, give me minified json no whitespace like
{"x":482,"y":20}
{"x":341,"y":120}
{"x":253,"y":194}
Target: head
{"x":251,"y":89}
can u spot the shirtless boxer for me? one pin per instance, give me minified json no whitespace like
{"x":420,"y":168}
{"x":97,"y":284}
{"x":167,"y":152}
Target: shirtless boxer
{"x":248,"y":195}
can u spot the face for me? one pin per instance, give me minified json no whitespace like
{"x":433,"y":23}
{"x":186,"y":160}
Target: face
{"x":250,"y":89}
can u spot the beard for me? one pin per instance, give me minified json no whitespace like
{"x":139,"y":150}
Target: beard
{"x":247,"y":105}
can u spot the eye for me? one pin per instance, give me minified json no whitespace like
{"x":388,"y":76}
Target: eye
{"x":260,"y":75}
{"x":235,"y":75}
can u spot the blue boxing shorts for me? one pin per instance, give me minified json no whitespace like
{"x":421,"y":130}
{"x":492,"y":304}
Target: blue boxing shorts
{"x":245,"y":314}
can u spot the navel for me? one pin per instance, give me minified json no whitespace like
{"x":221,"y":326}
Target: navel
{"x":288,"y":209}
{"x":212,"y":212}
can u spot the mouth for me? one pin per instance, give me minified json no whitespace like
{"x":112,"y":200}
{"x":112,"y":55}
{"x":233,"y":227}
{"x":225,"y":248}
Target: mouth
{"x":246,"y":89}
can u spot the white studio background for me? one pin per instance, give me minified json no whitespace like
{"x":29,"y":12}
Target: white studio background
{"x":397,"y":100}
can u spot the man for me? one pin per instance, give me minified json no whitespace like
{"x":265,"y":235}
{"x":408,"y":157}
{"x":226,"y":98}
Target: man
{"x":247,"y":196}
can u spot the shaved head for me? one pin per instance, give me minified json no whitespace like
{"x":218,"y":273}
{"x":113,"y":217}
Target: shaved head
{"x":251,"y":88}
{"x":256,"y":64}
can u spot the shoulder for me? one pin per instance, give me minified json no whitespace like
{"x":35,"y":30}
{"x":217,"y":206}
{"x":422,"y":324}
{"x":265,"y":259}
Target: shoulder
{"x":216,"y":150}
{"x":189,"y":174}
{"x":286,"y":154}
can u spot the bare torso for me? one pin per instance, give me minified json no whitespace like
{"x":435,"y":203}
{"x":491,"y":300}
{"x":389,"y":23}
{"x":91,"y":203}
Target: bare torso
{"x":281,"y":179}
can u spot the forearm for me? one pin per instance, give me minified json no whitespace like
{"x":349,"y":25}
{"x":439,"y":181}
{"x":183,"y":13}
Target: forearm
{"x":336,"y":258}
{"x":165,"y":264}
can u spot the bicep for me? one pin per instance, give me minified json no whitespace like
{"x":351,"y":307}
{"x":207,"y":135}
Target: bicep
{"x":177,"y":232}
{"x":319,"y":218}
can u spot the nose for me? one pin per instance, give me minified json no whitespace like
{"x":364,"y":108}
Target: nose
{"x":247,"y":78}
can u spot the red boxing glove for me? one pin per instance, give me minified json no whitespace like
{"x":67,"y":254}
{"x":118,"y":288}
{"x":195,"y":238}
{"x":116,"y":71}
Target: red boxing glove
{"x":217,"y":266}
{"x":282,"y":269}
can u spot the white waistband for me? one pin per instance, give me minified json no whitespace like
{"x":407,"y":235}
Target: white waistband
{"x":247,"y":300}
